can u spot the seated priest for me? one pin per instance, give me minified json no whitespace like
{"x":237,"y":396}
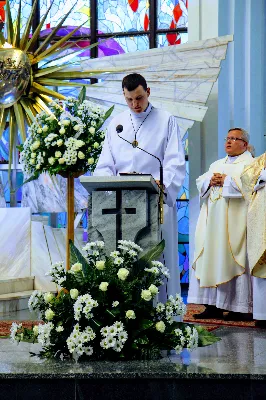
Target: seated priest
{"x":157,"y":132}
{"x":253,"y":183}
{"x":219,"y":277}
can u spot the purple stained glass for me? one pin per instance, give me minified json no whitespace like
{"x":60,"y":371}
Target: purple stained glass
{"x":108,"y":47}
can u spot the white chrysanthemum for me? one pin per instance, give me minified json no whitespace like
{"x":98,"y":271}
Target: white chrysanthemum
{"x":13,"y":331}
{"x":115,"y":254}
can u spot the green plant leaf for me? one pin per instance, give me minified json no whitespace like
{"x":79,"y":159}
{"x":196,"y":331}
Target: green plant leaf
{"x":82,"y":95}
{"x":77,"y":257}
{"x":146,"y":324}
{"x":142,"y":340}
{"x":206,"y":338}
{"x":107,"y":115}
{"x":154,"y":253}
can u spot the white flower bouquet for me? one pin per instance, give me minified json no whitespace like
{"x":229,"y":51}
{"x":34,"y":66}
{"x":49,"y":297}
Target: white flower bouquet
{"x":108,"y":309}
{"x":67,"y":139}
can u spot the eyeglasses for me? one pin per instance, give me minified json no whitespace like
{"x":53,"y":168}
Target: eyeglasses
{"x":232,"y":139}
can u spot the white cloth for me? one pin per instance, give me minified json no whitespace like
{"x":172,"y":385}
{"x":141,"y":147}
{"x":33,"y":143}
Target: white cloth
{"x":259,"y":295}
{"x":234,"y":295}
{"x":159,"y":135}
{"x":261,"y":181}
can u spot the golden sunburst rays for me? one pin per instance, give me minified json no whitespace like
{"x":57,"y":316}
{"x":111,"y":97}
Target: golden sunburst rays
{"x":27,"y":67}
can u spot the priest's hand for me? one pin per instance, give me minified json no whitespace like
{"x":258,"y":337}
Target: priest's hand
{"x":216,"y":179}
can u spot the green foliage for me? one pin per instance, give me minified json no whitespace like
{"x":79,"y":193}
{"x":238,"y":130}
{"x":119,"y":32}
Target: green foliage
{"x":106,"y":309}
{"x":206,"y":338}
{"x":82,"y":95}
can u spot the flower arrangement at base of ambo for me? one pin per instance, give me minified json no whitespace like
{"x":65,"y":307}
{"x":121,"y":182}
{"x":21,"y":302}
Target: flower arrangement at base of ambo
{"x":107,"y":309}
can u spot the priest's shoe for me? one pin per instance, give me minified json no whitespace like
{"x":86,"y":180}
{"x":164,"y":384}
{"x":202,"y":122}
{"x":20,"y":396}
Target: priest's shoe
{"x":260,"y":323}
{"x":211,"y":312}
{"x":237,"y":316}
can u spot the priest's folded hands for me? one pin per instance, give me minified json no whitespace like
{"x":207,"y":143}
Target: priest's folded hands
{"x":217,"y":179}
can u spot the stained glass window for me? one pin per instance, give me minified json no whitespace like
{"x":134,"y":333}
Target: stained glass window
{"x":26,"y":6}
{"x":79,"y":15}
{"x":122,"y":15}
{"x":127,"y":44}
{"x":172,"y":14}
{"x":183,"y":254}
{"x":166,"y":39}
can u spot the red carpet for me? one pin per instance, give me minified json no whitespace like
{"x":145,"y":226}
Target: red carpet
{"x":209,"y":324}
{"x":5,"y":326}
{"x":196,"y":309}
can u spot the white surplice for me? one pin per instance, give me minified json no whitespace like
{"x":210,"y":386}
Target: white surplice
{"x":235,"y":294}
{"x":159,"y":135}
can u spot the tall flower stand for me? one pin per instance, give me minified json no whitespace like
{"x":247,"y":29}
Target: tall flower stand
{"x":70,"y":176}
{"x":70,"y":217}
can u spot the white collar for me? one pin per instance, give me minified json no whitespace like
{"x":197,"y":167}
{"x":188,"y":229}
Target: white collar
{"x":143,"y":114}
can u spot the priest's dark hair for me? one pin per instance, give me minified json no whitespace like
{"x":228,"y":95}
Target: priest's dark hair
{"x":132,"y":81}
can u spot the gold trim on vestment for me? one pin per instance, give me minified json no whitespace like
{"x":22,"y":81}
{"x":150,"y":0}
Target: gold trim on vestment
{"x":238,"y":187}
{"x":220,"y":194}
{"x":197,"y":259}
{"x":220,"y":283}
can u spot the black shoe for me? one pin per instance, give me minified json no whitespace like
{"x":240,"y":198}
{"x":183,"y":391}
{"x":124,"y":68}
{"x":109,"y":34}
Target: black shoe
{"x":211,"y":312}
{"x":237,"y":316}
{"x":261,"y":323}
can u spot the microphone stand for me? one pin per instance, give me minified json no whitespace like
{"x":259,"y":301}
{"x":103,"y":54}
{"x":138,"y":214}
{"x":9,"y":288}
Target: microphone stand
{"x":161,"y":177}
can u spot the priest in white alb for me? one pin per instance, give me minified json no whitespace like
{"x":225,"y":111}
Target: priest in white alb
{"x":254,"y":188}
{"x":219,"y":277}
{"x":157,"y":132}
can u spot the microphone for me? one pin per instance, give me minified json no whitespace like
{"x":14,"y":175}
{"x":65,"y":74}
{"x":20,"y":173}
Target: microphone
{"x":119,"y":129}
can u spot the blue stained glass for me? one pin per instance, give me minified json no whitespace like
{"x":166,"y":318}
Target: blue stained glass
{"x":183,"y":221}
{"x":61,"y":220}
{"x":184,"y":191}
{"x":185,"y":143}
{"x":183,"y":254}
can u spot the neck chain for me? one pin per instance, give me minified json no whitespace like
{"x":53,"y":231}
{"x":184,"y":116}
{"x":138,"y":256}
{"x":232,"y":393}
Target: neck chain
{"x":135,"y":142}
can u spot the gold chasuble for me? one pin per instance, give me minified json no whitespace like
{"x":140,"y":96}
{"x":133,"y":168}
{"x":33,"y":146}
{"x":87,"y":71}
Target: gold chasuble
{"x":220,"y":240}
{"x":256,"y":220}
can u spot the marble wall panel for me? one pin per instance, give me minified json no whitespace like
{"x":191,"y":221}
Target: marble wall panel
{"x":41,"y":259}
{"x":15,"y":238}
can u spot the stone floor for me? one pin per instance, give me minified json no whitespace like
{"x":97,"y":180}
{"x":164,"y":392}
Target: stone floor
{"x":241,"y":351}
{"x":233,"y":368}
